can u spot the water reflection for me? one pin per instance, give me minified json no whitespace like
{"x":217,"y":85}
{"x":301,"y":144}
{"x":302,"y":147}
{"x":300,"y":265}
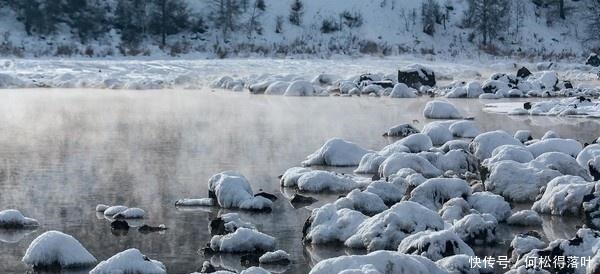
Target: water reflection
{"x":64,"y":152}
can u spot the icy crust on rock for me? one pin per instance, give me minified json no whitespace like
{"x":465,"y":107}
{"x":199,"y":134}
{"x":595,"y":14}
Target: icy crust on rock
{"x":476,"y":228}
{"x":454,"y":209}
{"x":130,"y":213}
{"x":232,"y":190}
{"x":519,"y":182}
{"x":328,"y":224}
{"x":464,"y":129}
{"x":587,"y":154}
{"x":300,"y":88}
{"x":12,"y":218}
{"x":242,"y":240}
{"x":378,"y":262}
{"x":129,"y":261}
{"x":416,"y":142}
{"x":336,"y":152}
{"x":390,"y":192}
{"x":438,"y":132}
{"x":434,"y":245}
{"x":487,"y":202}
{"x":437,"y":109}
{"x":387,"y":229}
{"x":524,"y":218}
{"x":484,"y":144}
{"x":401,"y":90}
{"x":433,"y":193}
{"x":319,"y":180}
{"x":54,"y":248}
{"x":561,"y":162}
{"x":564,"y":195}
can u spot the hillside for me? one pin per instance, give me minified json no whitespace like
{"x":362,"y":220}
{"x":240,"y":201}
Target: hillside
{"x":381,"y":27}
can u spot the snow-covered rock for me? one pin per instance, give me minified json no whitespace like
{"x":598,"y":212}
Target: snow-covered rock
{"x":242,"y":240}
{"x":524,"y":218}
{"x":387,"y":229}
{"x":228,"y":223}
{"x":113,"y":210}
{"x":130,"y":213}
{"x":484,"y":144}
{"x":390,"y":192}
{"x":129,"y":261}
{"x":561,"y":162}
{"x":476,"y":228}
{"x":464,"y":129}
{"x":378,"y":262}
{"x":195,"y":202}
{"x":455,"y":209}
{"x":523,"y":243}
{"x":567,"y":146}
{"x":328,"y":224}
{"x":437,"y":109}
{"x":523,"y":135}
{"x":434,"y":245}
{"x":275,"y":257}
{"x":401,"y":130}
{"x":336,"y":152}
{"x":487,"y":202}
{"x":438,"y":132}
{"x":518,"y":182}
{"x":369,"y":163}
{"x":398,"y":161}
{"x":326,"y":181}
{"x":433,"y":193}
{"x":518,"y":154}
{"x":459,"y":264}
{"x":363,"y":201}
{"x":564,"y":195}
{"x":401,"y":90}
{"x":12,"y":218}
{"x":416,"y":142}
{"x":54,"y":248}
{"x":300,"y":88}
{"x":588,"y":153}
{"x":277,"y":88}
{"x":232,"y":190}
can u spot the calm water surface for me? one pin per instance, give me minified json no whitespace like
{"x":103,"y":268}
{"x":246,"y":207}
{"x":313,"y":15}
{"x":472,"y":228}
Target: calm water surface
{"x":64,"y":151}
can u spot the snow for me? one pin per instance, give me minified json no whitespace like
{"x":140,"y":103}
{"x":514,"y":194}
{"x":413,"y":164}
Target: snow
{"x":387,"y":229}
{"x":564,"y":195}
{"x":365,"y":202}
{"x":484,"y":144}
{"x":56,"y":248}
{"x":378,"y":262}
{"x":437,"y":109}
{"x":456,"y":160}
{"x":290,"y":176}
{"x":454,"y":209}
{"x":523,"y":135}
{"x":476,"y":228}
{"x":398,"y":161}
{"x":416,"y":142}
{"x":277,"y":88}
{"x":433,"y":193}
{"x":487,"y":202}
{"x":336,"y":152}
{"x":438,"y":132}
{"x":326,"y":181}
{"x":401,"y":90}
{"x":524,"y":218}
{"x":113,"y":210}
{"x":459,"y":264}
{"x":568,"y":107}
{"x":328,"y":224}
{"x":12,"y":218}
{"x":242,"y":240}
{"x":523,"y":243}
{"x":390,"y":192}
{"x":278,"y":256}
{"x":563,"y":163}
{"x":300,"y":88}
{"x":519,"y":182}
{"x":129,"y":261}
{"x":232,"y":190}
{"x":101,"y":208}
{"x":401,"y":130}
{"x":464,"y":129}
{"x":369,"y":163}
{"x":130,"y":213}
{"x":588,"y":153}
{"x":233,"y":221}
{"x":515,"y":153}
{"x":195,"y":202}
{"x":434,"y":245}
{"x":567,"y":146}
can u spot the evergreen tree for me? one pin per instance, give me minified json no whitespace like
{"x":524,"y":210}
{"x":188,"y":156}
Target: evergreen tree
{"x":488,"y":17}
{"x":168,"y":17}
{"x":431,"y":14}
{"x":296,"y":12}
{"x":130,"y":19}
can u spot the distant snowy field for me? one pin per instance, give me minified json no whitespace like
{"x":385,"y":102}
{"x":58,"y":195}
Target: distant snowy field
{"x":198,"y":74}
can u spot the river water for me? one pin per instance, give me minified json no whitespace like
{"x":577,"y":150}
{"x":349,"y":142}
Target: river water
{"x":62,"y":152}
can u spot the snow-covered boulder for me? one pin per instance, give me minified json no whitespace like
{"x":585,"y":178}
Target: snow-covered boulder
{"x":567,"y":146}
{"x":130,"y":213}
{"x":327,"y":224}
{"x":232,"y":190}
{"x":476,"y":228}
{"x":54,"y":248}
{"x":519,"y":182}
{"x":487,"y":202}
{"x":438,"y":132}
{"x":564,"y":195}
{"x":484,"y":144}
{"x":129,"y":261}
{"x":434,"y":245}
{"x":369,"y":163}
{"x":456,"y":160}
{"x":518,"y":154}
{"x":114,"y":210}
{"x":300,"y":88}
{"x":398,"y":161}
{"x":464,"y":129}
{"x":455,"y":209}
{"x":277,"y":88}
{"x":459,"y":264}
{"x":242,"y":240}
{"x":401,"y":90}
{"x":588,"y":153}
{"x":524,"y":243}
{"x":228,"y":223}
{"x":390,"y":192}
{"x":326,"y":181}
{"x":524,"y":218}
{"x":523,"y":135}
{"x":561,"y":162}
{"x":433,"y":193}
{"x":12,"y":218}
{"x":387,"y":229}
{"x":363,"y":201}
{"x":291,"y":175}
{"x":336,"y":152}
{"x":378,"y":262}
{"x":275,"y":257}
{"x":437,"y":109}
{"x":416,"y":75}
{"x":416,"y":142}
{"x":401,"y":130}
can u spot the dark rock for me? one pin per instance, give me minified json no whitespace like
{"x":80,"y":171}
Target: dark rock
{"x":567,"y":84}
{"x":416,"y":77}
{"x":119,"y":224}
{"x":217,"y":227}
{"x":301,"y":199}
{"x":594,"y":172}
{"x":250,"y":259}
{"x":366,"y":77}
{"x":212,"y":195}
{"x":207,"y":267}
{"x":523,"y":72}
{"x":145,"y":229}
{"x":527,"y":105}
{"x":383,"y":84}
{"x":593,"y":60}
{"x":266,"y":195}
{"x":375,"y":177}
